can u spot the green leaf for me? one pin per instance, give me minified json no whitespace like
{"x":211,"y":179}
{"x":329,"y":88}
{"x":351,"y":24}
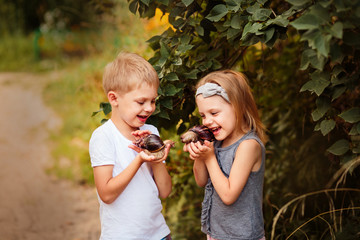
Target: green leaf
{"x":320,"y":80}
{"x":146,"y":2}
{"x":308,"y":57}
{"x":252,"y":9}
{"x":337,"y":92}
{"x":200,"y":30}
{"x":352,"y":115}
{"x":236,"y":22}
{"x":170,"y":90}
{"x":279,"y":20}
{"x":232,"y":33}
{"x":167,"y":102}
{"x":298,"y":2}
{"x":337,"y":30}
{"x":218,"y":12}
{"x":164,"y":51}
{"x":326,"y":126}
{"x":184,"y":47}
{"x":164,"y":114}
{"x":261,"y":14}
{"x":233,"y":5}
{"x":187,"y":2}
{"x":354,"y":129}
{"x":318,"y":41}
{"x":171,"y":77}
{"x":323,"y":105}
{"x":133,"y":6}
{"x":164,"y":2}
{"x":305,"y":22}
{"x":339,"y":148}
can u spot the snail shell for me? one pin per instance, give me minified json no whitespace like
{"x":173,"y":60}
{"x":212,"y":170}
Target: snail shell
{"x":152,"y":145}
{"x":197,"y":133}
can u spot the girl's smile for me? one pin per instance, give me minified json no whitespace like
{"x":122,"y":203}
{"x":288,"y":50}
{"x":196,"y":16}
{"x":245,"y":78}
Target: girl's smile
{"x":219,"y":116}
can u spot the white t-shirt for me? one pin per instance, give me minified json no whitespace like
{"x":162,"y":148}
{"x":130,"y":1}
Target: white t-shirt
{"x":136,"y":213}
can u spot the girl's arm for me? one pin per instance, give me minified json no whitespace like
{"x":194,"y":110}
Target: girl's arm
{"x":200,"y":171}
{"x":109,"y":187}
{"x":247,"y":159}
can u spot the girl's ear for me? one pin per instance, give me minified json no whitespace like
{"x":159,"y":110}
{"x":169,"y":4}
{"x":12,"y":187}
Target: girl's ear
{"x":113,"y":98}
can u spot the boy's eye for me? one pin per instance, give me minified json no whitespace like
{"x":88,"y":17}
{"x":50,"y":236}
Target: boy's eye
{"x":214,"y":113}
{"x":141,"y":103}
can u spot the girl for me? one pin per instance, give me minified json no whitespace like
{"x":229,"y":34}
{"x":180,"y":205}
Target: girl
{"x":232,"y":168}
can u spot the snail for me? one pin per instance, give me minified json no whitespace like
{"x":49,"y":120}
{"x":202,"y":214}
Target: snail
{"x":153,"y":145}
{"x":197,"y":133}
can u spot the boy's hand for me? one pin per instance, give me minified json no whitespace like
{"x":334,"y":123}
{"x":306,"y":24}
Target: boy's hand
{"x":140,"y":133}
{"x":149,"y":158}
{"x":199,"y":151}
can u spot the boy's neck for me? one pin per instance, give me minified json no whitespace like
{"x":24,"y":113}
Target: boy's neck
{"x":124,"y":128}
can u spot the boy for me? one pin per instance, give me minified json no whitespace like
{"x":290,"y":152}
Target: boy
{"x":129,"y":183}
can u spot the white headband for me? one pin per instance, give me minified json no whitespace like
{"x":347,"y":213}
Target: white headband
{"x":211,"y":89}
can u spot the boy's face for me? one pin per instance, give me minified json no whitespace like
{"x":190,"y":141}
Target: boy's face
{"x":136,"y":106}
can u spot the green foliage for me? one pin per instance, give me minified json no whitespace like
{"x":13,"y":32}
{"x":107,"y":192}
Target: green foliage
{"x":270,"y":41}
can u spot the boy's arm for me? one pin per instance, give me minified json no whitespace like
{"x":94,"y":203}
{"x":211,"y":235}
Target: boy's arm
{"x":162,"y":179}
{"x":109,"y":187}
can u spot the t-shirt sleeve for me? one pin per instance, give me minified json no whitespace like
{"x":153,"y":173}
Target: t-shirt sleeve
{"x":101,"y":149}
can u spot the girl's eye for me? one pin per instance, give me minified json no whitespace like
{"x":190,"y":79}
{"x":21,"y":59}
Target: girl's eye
{"x":141,"y":103}
{"x":214,"y":113}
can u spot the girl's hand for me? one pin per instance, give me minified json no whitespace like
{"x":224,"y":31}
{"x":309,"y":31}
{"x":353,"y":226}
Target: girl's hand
{"x":200,"y":151}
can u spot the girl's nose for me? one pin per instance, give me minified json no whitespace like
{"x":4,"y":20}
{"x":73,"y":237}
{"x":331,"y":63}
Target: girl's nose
{"x":207,"y":121}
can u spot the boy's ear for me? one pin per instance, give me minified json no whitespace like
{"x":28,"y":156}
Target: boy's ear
{"x":112,"y":97}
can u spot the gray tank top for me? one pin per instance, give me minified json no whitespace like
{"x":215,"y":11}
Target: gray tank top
{"x":244,"y":218}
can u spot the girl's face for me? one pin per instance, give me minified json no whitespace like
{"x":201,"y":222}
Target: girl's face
{"x":136,"y":106}
{"x":219,"y":116}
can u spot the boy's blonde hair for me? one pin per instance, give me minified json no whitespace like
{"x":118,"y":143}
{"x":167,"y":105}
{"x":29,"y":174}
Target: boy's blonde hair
{"x":127,"y":72}
{"x":240,"y":96}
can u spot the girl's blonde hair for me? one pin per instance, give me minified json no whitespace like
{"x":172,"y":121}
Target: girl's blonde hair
{"x":127,"y":72}
{"x":240,"y":96}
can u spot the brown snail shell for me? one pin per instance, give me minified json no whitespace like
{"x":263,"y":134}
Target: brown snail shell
{"x":152,"y":145}
{"x":197,"y":133}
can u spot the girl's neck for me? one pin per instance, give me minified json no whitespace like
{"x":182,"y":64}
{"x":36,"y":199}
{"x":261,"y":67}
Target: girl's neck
{"x":234,"y":137}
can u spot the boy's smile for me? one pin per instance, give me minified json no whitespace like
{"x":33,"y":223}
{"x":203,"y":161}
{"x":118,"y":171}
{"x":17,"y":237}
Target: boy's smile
{"x":131,"y":110}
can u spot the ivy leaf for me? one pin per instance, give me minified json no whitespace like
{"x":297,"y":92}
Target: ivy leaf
{"x":306,"y":22}
{"x":319,"y":82}
{"x":236,"y":22}
{"x":167,"y":102}
{"x":337,"y":30}
{"x":164,"y":114}
{"x":217,"y":13}
{"x":187,"y":2}
{"x":298,"y":2}
{"x":146,"y":2}
{"x":323,"y":105}
{"x":309,"y":56}
{"x":337,"y":92}
{"x":233,"y":5}
{"x":339,"y":148}
{"x":326,"y":126}
{"x":171,"y":77}
{"x":261,"y":14}
{"x":354,"y":129}
{"x":170,"y":90}
{"x":165,"y":2}
{"x":352,"y":115}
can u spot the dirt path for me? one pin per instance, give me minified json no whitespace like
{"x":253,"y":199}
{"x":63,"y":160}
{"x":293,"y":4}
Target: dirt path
{"x":33,"y":205}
